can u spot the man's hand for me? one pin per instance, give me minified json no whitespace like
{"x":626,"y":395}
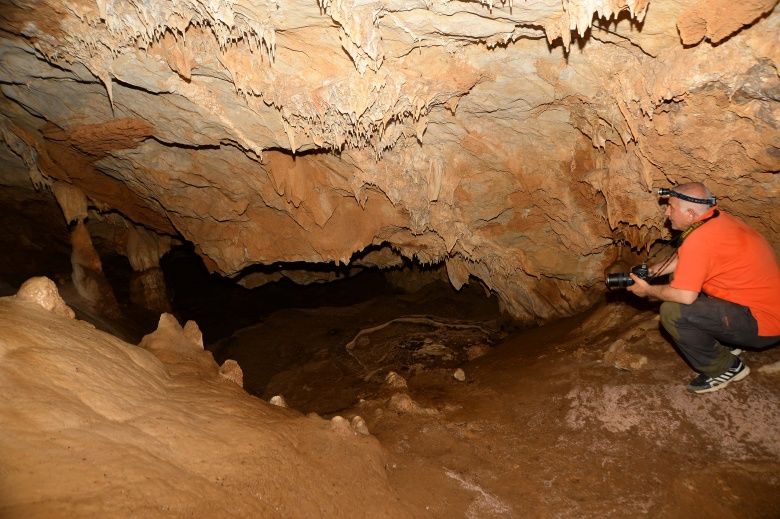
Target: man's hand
{"x":640,"y":287}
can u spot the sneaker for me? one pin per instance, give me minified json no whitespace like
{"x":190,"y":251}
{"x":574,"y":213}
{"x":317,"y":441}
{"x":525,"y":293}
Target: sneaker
{"x":705,"y":384}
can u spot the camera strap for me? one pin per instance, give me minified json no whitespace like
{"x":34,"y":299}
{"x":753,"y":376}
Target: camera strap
{"x":695,"y":225}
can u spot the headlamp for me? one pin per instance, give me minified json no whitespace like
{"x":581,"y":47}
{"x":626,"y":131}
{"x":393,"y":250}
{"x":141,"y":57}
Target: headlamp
{"x":704,"y":201}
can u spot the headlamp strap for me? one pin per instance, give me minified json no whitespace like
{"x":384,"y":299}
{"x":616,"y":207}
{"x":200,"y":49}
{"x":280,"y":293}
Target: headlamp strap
{"x":704,"y":201}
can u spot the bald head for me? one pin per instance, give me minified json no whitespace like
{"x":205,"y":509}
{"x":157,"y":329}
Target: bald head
{"x":696,"y":190}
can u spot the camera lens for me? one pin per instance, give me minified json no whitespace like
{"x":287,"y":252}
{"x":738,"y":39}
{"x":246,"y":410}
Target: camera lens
{"x":619,"y":280}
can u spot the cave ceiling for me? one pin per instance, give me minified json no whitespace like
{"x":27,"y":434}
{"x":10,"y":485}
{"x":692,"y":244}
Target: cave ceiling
{"x":516,"y":143}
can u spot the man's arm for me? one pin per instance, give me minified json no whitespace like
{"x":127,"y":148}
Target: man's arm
{"x":663,"y":292}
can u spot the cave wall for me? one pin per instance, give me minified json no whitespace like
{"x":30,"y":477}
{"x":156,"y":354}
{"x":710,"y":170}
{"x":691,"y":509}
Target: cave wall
{"x":514,"y":142}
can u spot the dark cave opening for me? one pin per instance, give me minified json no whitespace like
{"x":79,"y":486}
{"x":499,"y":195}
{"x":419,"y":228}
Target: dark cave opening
{"x":220,"y":305}
{"x":292,"y":339}
{"x":33,"y":238}
{"x":289,"y":338}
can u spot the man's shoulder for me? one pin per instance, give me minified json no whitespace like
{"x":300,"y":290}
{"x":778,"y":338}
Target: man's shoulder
{"x":723,"y":230}
{"x":727,"y":223}
{"x":722,"y":222}
{"x":724,"y":217}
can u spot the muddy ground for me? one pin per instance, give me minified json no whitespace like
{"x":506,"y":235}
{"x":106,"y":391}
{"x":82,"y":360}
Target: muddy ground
{"x":588,"y":417}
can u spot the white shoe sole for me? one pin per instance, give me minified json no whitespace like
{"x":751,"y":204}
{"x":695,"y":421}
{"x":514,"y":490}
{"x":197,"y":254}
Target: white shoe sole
{"x":739,"y":376}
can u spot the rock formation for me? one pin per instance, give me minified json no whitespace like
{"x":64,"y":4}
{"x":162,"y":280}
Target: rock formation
{"x":514,"y":142}
{"x":92,"y":425}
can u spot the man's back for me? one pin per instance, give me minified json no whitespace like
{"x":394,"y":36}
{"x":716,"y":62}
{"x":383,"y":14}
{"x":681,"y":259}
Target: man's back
{"x":727,"y":259}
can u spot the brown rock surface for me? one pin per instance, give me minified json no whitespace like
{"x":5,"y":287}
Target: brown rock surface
{"x":90,"y":425}
{"x":516,"y":142}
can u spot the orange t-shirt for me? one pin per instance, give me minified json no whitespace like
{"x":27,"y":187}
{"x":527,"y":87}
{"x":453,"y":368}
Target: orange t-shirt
{"x":727,"y":259}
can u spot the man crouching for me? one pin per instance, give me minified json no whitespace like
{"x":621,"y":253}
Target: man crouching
{"x":725,"y":288}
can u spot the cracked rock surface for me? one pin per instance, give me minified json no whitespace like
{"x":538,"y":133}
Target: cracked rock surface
{"x":517,"y":143}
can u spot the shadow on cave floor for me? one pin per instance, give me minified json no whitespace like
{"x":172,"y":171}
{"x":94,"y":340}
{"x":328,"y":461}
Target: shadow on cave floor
{"x":325,"y":359}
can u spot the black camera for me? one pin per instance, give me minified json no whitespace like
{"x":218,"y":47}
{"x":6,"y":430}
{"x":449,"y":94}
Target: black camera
{"x":623,"y":280}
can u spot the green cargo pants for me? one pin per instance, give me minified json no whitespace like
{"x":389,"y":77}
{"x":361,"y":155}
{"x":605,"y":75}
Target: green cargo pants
{"x":701,"y":329}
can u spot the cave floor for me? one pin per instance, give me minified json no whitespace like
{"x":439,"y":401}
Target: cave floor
{"x":587,"y":417}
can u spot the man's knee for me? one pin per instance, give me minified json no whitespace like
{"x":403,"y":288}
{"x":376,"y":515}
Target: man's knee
{"x":670,"y":316}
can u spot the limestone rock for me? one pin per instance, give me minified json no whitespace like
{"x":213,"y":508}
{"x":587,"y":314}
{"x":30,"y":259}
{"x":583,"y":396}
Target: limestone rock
{"x":618,"y":356}
{"x":90,"y":423}
{"x":470,"y":138}
{"x":344,"y":427}
{"x":459,"y":375}
{"x":395,"y":381}
{"x":148,"y":290}
{"x":43,"y":292}
{"x":192,"y":332}
{"x":71,"y":200}
{"x":341,"y":425}
{"x":278,"y":400}
{"x":476,"y":351}
{"x":718,"y":19}
{"x":434,"y":349}
{"x":87,"y":276}
{"x":180,"y":349}
{"x":359,"y":425}
{"x":145,"y":248}
{"x":403,"y":403}
{"x":232,"y":372}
